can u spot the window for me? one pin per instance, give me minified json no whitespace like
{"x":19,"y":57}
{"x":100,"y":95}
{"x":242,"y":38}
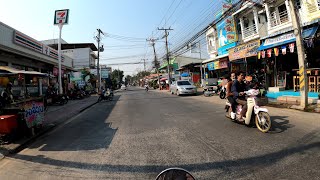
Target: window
{"x":181,"y":83}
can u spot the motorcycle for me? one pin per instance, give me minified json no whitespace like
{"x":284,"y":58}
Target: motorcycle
{"x":222,"y":93}
{"x":255,"y":114}
{"x":174,"y":174}
{"x":106,"y":95}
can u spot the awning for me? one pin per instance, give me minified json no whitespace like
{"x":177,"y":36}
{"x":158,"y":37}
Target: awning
{"x":215,"y":58}
{"x":310,"y":32}
{"x":287,"y":38}
{"x":247,"y":4}
{"x":165,"y":64}
{"x":6,"y":70}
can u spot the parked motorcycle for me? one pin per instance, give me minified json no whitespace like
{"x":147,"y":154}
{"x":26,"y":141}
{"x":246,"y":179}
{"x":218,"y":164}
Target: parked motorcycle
{"x":54,"y":98}
{"x":106,"y":95}
{"x":255,"y":114}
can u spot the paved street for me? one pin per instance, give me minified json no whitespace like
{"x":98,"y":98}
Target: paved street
{"x":141,"y":133}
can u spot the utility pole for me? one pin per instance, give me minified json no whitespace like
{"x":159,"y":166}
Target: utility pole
{"x":98,"y":38}
{"x":167,"y":49}
{"x":144,"y":64}
{"x":301,"y":56}
{"x":156,"y":63}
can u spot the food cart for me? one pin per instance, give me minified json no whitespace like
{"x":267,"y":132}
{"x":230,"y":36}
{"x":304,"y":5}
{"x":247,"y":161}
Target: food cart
{"x":23,"y":115}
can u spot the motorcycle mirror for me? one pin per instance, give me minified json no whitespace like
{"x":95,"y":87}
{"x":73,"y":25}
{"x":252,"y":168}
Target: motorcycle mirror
{"x":175,"y":174}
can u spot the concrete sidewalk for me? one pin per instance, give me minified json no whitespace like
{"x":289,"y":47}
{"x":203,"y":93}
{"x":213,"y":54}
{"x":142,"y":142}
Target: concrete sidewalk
{"x":54,"y":116}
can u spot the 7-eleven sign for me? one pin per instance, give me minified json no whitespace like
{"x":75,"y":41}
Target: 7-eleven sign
{"x":61,"y":16}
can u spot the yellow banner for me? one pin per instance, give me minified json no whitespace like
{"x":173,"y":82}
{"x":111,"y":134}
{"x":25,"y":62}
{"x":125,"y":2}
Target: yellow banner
{"x":245,"y":50}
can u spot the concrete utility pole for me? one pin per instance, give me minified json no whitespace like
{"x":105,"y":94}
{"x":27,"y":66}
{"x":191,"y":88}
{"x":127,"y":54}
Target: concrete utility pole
{"x":144,"y":64}
{"x":301,"y":55}
{"x":156,"y":63}
{"x":98,"y":38}
{"x":167,"y":49}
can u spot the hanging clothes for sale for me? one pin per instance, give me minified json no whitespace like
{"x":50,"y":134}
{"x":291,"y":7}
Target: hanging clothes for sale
{"x":263,"y":54}
{"x":284,"y":50}
{"x":291,"y":47}
{"x":276,"y":51}
{"x":269,"y":52}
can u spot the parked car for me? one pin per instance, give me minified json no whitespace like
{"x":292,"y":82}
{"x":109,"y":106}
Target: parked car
{"x":183,"y":87}
{"x":123,"y":87}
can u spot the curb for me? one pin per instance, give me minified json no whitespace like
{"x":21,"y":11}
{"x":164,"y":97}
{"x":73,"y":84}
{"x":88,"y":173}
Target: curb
{"x":5,"y":152}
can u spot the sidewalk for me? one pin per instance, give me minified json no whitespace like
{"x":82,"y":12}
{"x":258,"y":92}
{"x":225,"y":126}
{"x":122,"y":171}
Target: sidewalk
{"x":54,"y":116}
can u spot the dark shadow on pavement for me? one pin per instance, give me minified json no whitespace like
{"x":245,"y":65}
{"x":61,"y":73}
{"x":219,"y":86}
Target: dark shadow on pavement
{"x":280,"y":124}
{"x":87,"y":131}
{"x":228,"y":166}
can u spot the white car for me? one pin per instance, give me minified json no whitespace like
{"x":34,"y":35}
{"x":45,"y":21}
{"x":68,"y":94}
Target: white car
{"x":123,"y":87}
{"x":183,"y":87}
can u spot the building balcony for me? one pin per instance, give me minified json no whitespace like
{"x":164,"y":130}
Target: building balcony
{"x":278,"y":19}
{"x":250,"y":33}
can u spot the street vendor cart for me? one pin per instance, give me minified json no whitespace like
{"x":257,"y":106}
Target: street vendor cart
{"x":21,"y":102}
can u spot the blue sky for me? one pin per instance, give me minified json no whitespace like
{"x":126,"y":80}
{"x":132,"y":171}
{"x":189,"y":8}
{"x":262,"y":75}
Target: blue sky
{"x":136,"y":19}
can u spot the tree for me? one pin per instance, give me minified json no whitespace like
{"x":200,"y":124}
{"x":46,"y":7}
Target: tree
{"x":128,"y":79}
{"x":116,"y":77}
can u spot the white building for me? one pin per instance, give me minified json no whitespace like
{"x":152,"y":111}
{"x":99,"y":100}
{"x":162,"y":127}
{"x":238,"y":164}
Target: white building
{"x":21,"y":51}
{"x":83,"y":54}
{"x":253,"y":22}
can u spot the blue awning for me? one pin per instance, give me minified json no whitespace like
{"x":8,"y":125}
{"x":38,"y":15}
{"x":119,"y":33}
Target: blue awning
{"x":310,"y":32}
{"x":307,"y":33}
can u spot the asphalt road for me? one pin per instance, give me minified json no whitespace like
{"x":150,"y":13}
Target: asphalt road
{"x":141,"y":133}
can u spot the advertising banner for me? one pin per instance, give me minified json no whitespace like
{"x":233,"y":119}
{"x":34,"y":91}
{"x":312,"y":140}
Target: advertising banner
{"x":34,"y":113}
{"x":245,"y":50}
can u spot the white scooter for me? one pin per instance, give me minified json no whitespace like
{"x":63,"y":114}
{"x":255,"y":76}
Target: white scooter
{"x":254,"y":113}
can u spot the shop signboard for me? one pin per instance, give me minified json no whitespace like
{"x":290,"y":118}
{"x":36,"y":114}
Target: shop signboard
{"x":61,"y":16}
{"x":30,"y":43}
{"x":34,"y":113}
{"x":245,"y":50}
{"x":279,"y":39}
{"x":223,"y":63}
{"x":211,"y":66}
{"x":56,"y":71}
{"x":104,"y":73}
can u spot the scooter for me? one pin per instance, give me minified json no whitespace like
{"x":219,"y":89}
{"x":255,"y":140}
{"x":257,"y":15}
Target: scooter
{"x":106,"y":95}
{"x":255,"y":114}
{"x":222,"y":93}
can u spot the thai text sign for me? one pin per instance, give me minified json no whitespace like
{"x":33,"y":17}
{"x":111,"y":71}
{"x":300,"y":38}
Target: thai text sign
{"x":279,"y":39}
{"x":245,"y":50}
{"x":226,"y":31}
{"x":34,"y":113}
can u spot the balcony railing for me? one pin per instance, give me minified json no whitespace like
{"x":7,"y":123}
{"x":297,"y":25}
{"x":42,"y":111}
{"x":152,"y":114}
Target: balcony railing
{"x":278,"y":19}
{"x":249,"y":31}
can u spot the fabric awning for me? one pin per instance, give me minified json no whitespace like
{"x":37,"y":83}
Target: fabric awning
{"x":307,"y":33}
{"x":6,"y":70}
{"x":215,"y":58}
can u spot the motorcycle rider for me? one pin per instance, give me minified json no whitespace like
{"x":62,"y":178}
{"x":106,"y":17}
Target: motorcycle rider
{"x":237,"y":89}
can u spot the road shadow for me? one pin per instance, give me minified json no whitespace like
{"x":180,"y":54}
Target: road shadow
{"x":243,"y":166}
{"x":86,"y":131}
{"x":280,"y":124}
